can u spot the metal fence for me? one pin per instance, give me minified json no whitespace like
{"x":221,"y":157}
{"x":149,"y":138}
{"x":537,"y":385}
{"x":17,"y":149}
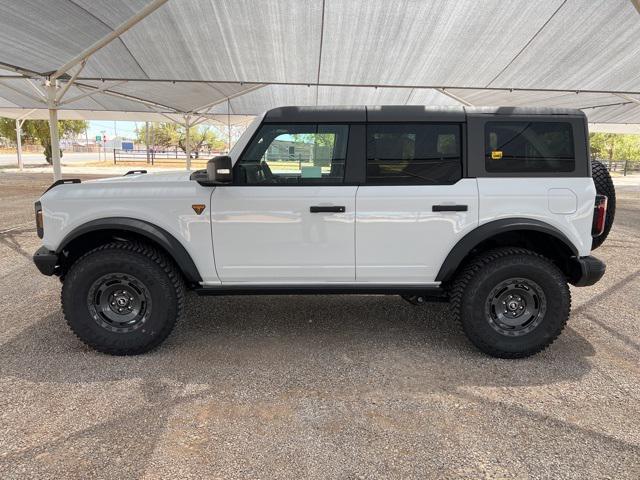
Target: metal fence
{"x":153,"y":157}
{"x":624,"y":167}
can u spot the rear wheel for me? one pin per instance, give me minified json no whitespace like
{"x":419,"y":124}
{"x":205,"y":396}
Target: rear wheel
{"x":511,"y":302}
{"x":122,"y":298}
{"x":604,"y":186}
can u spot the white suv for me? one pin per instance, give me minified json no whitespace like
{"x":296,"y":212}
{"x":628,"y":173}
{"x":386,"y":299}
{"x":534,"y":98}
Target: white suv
{"x":494,"y":210}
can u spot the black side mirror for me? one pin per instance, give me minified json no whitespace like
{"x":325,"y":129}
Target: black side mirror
{"x":220,"y":170}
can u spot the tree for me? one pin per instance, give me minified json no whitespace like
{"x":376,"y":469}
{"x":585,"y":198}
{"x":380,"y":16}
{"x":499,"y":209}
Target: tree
{"x":200,"y":137}
{"x":37,"y":131}
{"x":165,"y":135}
{"x":161,"y":135}
{"x":613,"y":146}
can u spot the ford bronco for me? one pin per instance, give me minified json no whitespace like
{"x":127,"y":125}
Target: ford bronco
{"x":495,"y":210}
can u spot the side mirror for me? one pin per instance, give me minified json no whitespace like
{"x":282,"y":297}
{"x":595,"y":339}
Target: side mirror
{"x":220,"y":170}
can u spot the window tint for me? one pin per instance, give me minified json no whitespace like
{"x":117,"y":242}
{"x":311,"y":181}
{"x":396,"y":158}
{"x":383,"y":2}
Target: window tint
{"x":295,"y":154}
{"x":423,"y":154}
{"x":529,"y":147}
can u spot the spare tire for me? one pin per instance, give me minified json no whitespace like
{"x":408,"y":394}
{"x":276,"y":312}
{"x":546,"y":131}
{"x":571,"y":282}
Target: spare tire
{"x":604,"y":186}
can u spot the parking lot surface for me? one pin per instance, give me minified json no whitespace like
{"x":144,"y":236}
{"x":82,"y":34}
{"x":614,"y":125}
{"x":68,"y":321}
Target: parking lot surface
{"x":316,"y":386}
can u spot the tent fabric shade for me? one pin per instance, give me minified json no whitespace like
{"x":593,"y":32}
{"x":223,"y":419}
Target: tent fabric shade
{"x":242,"y":57}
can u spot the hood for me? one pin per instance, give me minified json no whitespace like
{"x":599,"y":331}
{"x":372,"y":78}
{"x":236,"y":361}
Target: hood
{"x":175,"y":176}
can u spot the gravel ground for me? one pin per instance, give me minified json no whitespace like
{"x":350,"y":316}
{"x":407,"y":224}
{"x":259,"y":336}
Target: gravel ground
{"x":316,"y":387}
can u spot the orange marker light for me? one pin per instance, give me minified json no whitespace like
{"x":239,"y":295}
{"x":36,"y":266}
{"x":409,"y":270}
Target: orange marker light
{"x":198,"y":208}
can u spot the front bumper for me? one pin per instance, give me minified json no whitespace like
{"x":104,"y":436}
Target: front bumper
{"x":45,"y":260}
{"x":588,"y":271}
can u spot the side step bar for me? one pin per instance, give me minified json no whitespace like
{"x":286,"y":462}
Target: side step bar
{"x":323,"y":289}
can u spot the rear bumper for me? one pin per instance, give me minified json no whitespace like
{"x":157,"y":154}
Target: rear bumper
{"x":45,"y":260}
{"x":589,"y":270}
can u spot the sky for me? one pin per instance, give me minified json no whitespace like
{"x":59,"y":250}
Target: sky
{"x":124,"y":129}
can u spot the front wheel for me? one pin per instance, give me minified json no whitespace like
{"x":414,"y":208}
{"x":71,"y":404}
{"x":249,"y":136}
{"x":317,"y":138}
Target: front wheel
{"x":511,"y":302}
{"x":122,"y":298}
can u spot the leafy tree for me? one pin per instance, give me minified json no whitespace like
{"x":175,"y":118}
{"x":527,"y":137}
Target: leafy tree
{"x":165,"y":135}
{"x":198,"y":137}
{"x":37,"y":131}
{"x":161,"y":135}
{"x":613,"y":146}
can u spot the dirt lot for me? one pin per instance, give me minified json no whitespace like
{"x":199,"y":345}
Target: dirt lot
{"x":316,"y":387}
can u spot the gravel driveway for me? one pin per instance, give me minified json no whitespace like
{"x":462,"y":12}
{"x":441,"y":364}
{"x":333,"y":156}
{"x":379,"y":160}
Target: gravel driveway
{"x":316,"y":386}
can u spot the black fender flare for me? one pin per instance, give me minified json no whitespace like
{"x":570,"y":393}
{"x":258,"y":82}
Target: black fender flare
{"x":145,"y":229}
{"x":472,"y":239}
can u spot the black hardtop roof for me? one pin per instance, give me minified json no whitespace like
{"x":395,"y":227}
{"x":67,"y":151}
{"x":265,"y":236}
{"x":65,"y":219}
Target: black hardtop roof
{"x":402,"y":113}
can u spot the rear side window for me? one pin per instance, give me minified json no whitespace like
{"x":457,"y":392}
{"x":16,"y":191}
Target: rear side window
{"x":529,"y":147}
{"x":413,"y":154}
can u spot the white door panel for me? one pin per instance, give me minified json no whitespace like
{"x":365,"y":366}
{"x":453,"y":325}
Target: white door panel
{"x":267,"y":234}
{"x":400,"y":239}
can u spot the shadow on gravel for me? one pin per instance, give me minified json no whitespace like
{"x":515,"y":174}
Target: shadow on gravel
{"x":267,"y":349}
{"x":317,"y":340}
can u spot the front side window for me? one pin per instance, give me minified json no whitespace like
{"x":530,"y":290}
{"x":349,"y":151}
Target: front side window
{"x":534,"y":147}
{"x":413,"y":154}
{"x":295,"y":154}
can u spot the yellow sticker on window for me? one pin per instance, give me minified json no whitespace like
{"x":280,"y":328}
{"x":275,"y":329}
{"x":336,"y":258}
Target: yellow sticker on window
{"x":496,"y":155}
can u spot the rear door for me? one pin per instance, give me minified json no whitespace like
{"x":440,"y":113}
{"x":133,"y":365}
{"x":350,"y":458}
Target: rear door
{"x":289,"y":217}
{"x":415,"y":205}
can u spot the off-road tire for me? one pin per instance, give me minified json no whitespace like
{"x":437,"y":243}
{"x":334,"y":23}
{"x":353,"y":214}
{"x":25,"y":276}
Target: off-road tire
{"x":471,"y":292}
{"x":604,"y":186}
{"x":157,"y":276}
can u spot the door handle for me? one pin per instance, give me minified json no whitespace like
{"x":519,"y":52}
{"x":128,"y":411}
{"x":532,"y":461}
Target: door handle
{"x":320,"y":209}
{"x":449,"y":208}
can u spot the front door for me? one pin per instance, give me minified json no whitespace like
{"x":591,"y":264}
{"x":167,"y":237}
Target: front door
{"x":288,"y":217}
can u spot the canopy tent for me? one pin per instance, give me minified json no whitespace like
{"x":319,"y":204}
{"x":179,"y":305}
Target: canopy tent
{"x":194,"y":59}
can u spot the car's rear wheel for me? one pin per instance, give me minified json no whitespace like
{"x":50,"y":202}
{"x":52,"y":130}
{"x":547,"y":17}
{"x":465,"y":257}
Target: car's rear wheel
{"x":511,"y":302}
{"x":122,"y":298}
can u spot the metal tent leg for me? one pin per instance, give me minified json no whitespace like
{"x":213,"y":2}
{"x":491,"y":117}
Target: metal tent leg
{"x":187,"y":143}
{"x":19,"y":143}
{"x":53,"y":129}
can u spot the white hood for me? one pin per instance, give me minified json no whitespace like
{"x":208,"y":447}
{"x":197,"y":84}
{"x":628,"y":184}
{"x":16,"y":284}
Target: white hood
{"x":173,"y":176}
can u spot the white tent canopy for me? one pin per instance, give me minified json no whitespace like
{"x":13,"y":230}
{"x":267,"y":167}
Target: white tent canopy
{"x":195,"y":58}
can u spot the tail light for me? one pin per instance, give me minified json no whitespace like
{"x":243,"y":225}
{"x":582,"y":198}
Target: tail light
{"x":599,"y":215}
{"x":39,"y":221}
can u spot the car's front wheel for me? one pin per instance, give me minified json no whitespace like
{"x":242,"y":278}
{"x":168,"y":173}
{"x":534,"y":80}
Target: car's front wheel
{"x":511,"y":302}
{"x":122,"y":298}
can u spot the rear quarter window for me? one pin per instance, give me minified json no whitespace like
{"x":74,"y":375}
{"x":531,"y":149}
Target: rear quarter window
{"x":529,"y":147}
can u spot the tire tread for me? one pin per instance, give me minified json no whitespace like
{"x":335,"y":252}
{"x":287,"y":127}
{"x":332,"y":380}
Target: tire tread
{"x":471,"y":269}
{"x":153,"y":254}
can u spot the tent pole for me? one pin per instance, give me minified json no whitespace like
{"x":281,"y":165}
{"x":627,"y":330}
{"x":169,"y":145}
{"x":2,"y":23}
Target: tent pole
{"x":53,"y":129}
{"x":187,"y":146}
{"x":115,"y":33}
{"x":146,"y":138}
{"x":228,"y":125}
{"x":19,"y":143}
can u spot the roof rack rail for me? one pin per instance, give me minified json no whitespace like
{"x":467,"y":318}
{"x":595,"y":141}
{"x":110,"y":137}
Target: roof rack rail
{"x":133,"y":172}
